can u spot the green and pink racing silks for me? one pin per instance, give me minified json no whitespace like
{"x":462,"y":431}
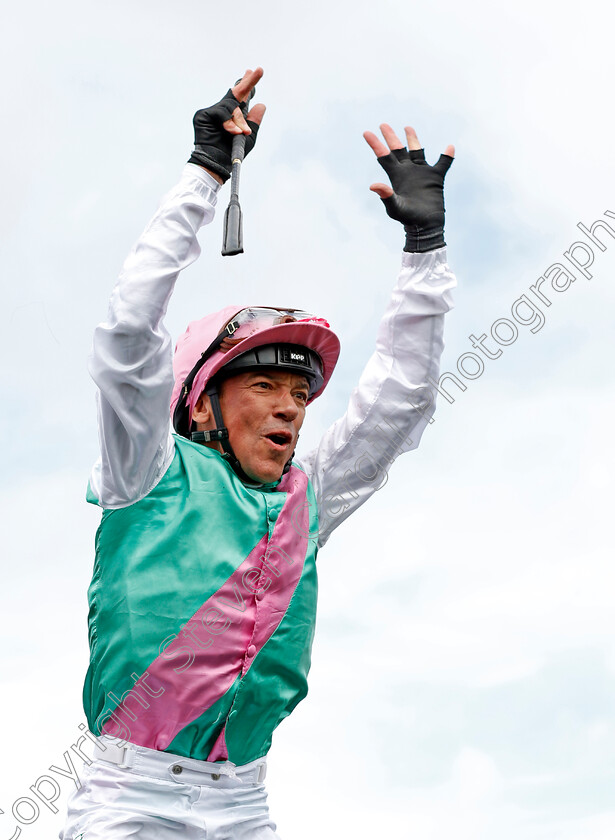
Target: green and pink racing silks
{"x":203,"y":598}
{"x":202,"y":610}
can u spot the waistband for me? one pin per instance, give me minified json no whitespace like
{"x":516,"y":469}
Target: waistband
{"x":178,"y":768}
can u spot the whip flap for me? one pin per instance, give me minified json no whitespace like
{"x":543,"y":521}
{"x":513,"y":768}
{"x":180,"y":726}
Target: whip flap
{"x":232,"y":241}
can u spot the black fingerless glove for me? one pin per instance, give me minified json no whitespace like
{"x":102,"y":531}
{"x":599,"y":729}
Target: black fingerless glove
{"x":212,"y":143}
{"x":418,"y":197}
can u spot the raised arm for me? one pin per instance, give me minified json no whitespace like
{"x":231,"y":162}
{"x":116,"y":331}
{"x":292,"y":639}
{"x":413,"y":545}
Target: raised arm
{"x":131,"y":359}
{"x":394,"y":400}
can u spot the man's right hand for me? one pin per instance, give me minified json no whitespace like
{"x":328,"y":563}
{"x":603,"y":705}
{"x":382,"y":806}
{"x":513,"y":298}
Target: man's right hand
{"x":214,"y":127}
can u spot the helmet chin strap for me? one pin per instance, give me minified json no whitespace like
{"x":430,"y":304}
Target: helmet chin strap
{"x":220,"y":435}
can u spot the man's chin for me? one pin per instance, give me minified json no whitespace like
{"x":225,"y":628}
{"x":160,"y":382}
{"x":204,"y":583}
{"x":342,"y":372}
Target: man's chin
{"x":265,"y":473}
{"x":261,"y":462}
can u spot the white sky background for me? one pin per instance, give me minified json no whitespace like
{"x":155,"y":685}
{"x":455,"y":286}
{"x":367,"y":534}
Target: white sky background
{"x":464,"y":670}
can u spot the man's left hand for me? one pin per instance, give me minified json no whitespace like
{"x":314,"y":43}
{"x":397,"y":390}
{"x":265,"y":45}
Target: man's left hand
{"x":416,"y":197}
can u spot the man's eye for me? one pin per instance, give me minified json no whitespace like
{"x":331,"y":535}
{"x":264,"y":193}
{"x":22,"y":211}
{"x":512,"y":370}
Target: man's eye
{"x":302,"y":395}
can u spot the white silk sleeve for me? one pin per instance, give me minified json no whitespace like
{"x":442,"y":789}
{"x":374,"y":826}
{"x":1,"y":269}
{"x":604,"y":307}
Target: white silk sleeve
{"x":131,"y":359}
{"x":394,"y":400}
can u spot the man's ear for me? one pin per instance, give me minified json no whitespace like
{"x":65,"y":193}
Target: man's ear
{"x":202,"y":414}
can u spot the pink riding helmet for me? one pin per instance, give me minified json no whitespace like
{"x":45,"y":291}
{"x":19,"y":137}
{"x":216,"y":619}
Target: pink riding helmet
{"x":313,"y":333}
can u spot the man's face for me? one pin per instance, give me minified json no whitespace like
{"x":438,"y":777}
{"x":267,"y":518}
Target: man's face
{"x":263,"y":412}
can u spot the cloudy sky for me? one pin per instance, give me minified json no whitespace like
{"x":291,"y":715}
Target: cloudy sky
{"x":464,"y":670}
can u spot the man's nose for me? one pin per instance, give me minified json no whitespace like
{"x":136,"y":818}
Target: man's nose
{"x":285,"y":405}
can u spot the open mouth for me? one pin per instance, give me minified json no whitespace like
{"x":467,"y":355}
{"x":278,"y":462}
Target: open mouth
{"x":279,"y":439}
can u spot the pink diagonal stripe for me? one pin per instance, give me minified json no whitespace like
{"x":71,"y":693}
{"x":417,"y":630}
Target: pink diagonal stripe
{"x":222,"y":638}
